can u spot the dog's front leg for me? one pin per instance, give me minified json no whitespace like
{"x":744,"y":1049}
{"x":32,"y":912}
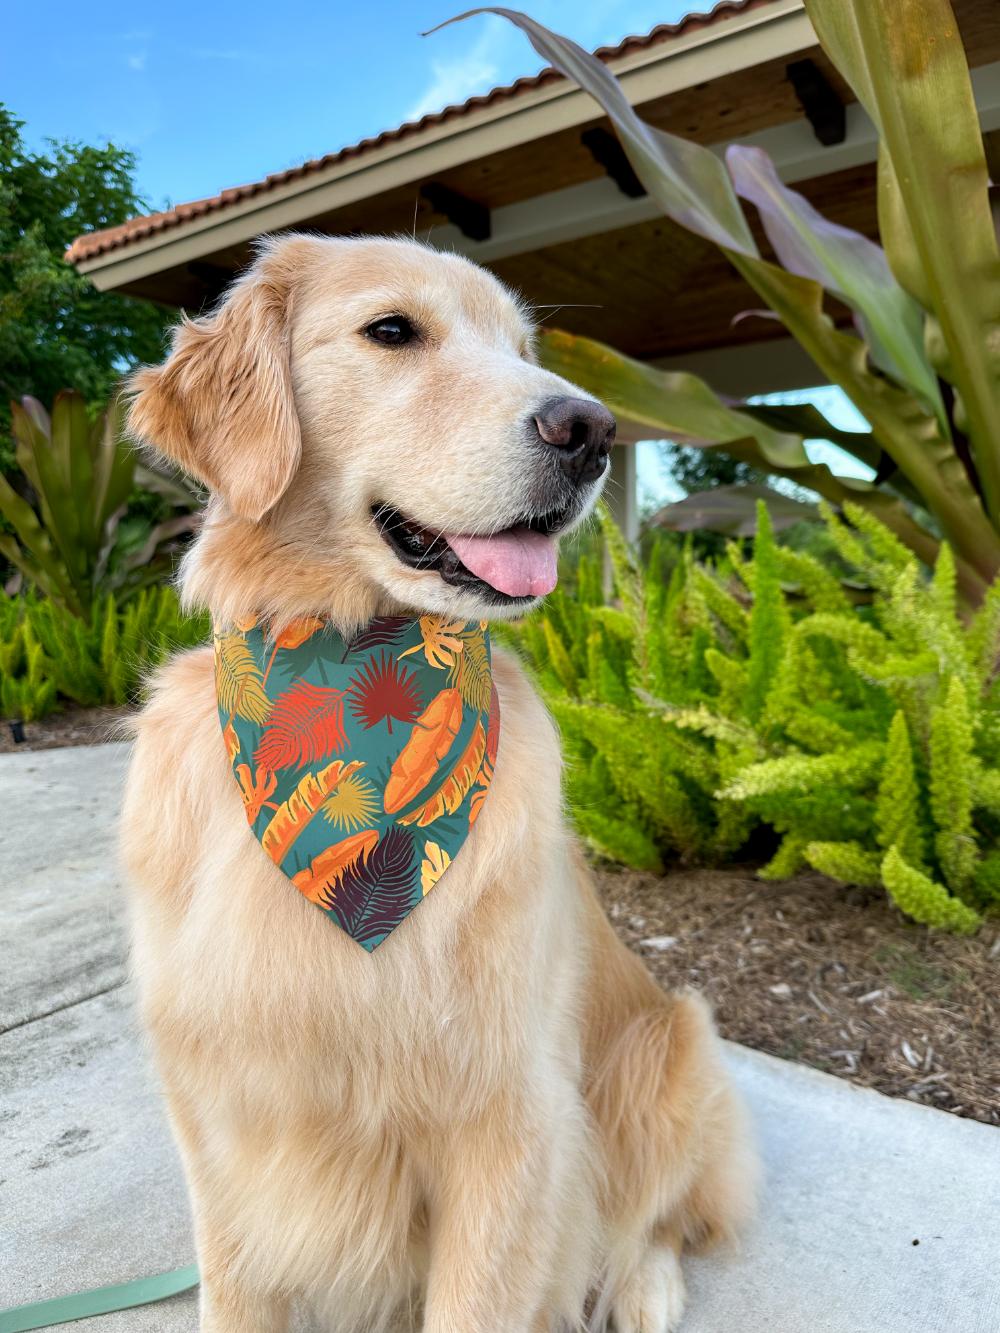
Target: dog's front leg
{"x":495,"y":1225}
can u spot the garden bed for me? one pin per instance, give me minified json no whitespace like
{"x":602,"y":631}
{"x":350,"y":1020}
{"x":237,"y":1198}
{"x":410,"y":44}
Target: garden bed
{"x":73,"y":726}
{"x":829,"y":977}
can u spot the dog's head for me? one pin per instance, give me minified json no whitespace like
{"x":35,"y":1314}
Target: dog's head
{"x":369,"y":415}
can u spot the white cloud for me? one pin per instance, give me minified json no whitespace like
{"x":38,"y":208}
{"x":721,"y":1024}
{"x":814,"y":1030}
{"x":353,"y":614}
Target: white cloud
{"x":453,"y":81}
{"x":136,"y":61}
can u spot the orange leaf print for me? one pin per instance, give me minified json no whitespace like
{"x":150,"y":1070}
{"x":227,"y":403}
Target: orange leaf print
{"x":328,"y":868}
{"x":432,"y":737}
{"x":478,"y":801}
{"x":232,"y":741}
{"x":254,"y":790}
{"x":293,"y":815}
{"x":305,"y":725}
{"x":296,"y":632}
{"x":450,"y":795}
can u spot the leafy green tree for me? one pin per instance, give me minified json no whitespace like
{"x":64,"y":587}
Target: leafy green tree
{"x":56,"y":330}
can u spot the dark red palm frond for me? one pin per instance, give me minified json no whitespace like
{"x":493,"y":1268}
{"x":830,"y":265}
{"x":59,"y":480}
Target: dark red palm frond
{"x":306,"y":723}
{"x":383,"y":629}
{"x":376,"y":893}
{"x":384,"y":691}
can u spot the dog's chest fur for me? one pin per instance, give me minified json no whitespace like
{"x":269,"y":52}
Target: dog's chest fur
{"x":298,"y":1054}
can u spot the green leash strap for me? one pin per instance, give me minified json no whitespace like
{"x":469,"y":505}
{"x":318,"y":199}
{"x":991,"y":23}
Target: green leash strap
{"x":102,"y":1300}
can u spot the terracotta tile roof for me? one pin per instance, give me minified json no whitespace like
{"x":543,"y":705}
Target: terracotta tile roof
{"x":94,"y":243}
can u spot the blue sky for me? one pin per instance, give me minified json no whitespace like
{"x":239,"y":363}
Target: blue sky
{"x":218,"y":93}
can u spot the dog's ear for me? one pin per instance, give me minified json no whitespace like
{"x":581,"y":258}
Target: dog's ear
{"x":221,"y":405}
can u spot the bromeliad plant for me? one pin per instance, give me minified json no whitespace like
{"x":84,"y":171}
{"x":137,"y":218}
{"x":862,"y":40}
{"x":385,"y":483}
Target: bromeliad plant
{"x":71,"y":543}
{"x":700,"y":708}
{"x":48,"y":654}
{"x":923,"y":362}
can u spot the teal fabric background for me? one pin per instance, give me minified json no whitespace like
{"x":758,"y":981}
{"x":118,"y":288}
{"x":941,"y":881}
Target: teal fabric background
{"x":362,"y":765}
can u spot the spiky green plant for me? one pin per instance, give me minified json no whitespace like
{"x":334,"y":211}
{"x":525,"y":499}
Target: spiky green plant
{"x":699,"y":707}
{"x":48,"y":654}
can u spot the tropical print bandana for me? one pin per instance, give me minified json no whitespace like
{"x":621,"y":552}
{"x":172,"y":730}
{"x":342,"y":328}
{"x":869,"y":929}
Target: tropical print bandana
{"x":363,"y":764}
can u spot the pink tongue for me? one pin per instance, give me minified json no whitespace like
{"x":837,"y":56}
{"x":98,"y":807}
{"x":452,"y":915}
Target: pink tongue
{"x":519,"y":562}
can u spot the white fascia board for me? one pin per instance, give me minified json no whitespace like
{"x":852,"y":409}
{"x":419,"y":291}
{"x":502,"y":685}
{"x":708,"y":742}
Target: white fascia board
{"x":699,"y":56}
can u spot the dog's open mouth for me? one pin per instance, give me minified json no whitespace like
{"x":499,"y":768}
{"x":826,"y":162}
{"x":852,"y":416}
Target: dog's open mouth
{"x":516,"y":564}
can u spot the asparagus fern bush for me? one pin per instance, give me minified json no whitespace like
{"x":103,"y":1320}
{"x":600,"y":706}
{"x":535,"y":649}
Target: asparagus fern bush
{"x":698,"y":707}
{"x":48,"y":654}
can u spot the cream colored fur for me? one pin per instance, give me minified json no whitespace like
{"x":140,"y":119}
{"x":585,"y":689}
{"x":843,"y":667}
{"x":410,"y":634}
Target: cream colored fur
{"x":496,"y":1123}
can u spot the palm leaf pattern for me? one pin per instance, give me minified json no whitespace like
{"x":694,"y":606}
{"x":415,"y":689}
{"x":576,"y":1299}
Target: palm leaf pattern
{"x":376,"y":892}
{"x":382,"y":630}
{"x":385,"y":691}
{"x":238,"y":683}
{"x":362,"y":764}
{"x":305,"y":724}
{"x":320,"y":880}
{"x":470,"y":670}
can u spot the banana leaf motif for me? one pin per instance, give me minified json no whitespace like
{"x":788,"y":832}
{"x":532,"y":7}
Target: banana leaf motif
{"x":255,"y":789}
{"x":432,"y":737}
{"x":319,"y":883}
{"x":362,"y":764}
{"x":450,"y":795}
{"x":293,"y":815}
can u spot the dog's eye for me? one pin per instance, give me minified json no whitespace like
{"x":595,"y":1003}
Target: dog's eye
{"x":392,"y":331}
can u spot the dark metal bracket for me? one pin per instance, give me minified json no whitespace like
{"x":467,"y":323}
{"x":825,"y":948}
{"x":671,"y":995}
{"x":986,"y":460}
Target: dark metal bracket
{"x":820,"y":101}
{"x":607,"y":152}
{"x":471,"y":219}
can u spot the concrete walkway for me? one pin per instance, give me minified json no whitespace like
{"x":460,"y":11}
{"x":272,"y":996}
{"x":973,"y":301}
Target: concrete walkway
{"x":90,"y":1188}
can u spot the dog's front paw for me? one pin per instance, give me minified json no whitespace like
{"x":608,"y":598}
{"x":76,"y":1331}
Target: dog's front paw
{"x":652,"y":1300}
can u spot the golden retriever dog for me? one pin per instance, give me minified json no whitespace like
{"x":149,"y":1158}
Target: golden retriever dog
{"x":496,"y":1122}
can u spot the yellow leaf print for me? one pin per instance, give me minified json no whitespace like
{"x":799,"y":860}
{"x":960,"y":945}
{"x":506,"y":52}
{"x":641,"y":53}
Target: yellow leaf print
{"x":470,"y":670}
{"x":436,"y":861}
{"x":352,"y":805}
{"x":293,"y":815}
{"x":442,"y":640}
{"x":238,"y":681}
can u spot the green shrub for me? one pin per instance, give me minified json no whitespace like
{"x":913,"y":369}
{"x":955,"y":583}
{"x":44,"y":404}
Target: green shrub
{"x":703,"y":706}
{"x":48,"y":654}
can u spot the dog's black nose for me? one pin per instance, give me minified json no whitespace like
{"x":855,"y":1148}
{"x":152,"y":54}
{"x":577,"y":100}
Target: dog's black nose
{"x":581,"y":431}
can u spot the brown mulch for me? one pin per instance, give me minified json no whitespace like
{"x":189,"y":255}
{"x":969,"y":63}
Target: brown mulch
{"x":805,"y":970}
{"x":829,"y":977}
{"x":75,"y":726}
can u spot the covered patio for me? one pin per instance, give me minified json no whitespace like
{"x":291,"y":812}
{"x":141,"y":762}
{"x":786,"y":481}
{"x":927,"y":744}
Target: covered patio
{"x":528,"y":181}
